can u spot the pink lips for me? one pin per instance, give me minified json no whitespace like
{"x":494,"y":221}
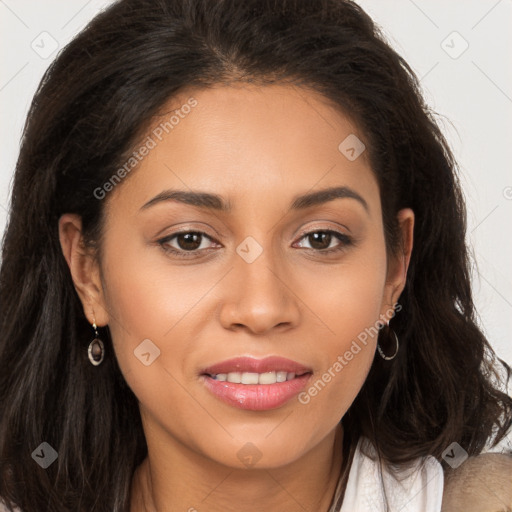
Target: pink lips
{"x":256,"y":397}
{"x":249,"y":364}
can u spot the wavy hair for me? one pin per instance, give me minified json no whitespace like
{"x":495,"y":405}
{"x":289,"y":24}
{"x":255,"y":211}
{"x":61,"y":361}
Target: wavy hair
{"x":89,"y":112}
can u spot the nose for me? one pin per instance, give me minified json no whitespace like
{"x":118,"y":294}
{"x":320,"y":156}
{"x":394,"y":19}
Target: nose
{"x":259,"y":296}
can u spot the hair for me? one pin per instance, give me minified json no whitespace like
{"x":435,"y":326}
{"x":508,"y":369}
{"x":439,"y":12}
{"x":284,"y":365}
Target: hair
{"x":89,"y":112}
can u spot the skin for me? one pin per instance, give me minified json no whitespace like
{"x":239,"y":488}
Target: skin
{"x":480,"y":484}
{"x":259,"y":148}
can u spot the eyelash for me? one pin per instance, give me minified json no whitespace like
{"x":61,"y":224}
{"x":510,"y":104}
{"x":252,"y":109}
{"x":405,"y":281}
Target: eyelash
{"x":342,"y":237}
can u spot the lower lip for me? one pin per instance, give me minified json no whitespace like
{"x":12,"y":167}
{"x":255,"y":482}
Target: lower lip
{"x":256,"y":397}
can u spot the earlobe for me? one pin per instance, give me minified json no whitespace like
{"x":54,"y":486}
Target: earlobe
{"x":83,"y":268}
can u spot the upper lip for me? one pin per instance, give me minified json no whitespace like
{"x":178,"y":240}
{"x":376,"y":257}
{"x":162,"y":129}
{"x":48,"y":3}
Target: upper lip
{"x":252,"y":365}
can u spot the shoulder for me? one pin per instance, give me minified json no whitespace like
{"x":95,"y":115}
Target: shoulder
{"x":482,"y":483}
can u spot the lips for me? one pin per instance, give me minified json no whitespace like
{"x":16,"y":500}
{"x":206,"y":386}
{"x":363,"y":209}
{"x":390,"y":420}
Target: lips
{"x":251,"y":365}
{"x":256,"y":384}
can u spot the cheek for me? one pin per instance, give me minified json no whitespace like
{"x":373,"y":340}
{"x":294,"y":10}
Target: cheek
{"x":150,"y":308}
{"x":158,"y":308}
{"x":133,"y":300}
{"x":348,"y":297}
{"x":334,"y":386}
{"x":348,"y":301}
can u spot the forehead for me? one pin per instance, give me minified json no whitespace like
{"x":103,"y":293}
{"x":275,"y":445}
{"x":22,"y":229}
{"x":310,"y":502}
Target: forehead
{"x":250,"y":141}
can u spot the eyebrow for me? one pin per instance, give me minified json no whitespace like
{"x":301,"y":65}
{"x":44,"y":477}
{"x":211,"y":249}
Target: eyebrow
{"x":217,"y":203}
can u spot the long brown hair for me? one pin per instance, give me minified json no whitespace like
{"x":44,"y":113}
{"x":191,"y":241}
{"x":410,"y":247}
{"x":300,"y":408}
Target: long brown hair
{"x":87,"y":115}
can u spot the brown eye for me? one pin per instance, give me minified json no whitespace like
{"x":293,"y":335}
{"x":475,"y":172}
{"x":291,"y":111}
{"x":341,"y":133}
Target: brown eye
{"x":186,"y":244}
{"x":189,"y":241}
{"x":321,"y":240}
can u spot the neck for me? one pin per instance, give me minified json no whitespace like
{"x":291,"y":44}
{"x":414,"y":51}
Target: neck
{"x":180,"y":479}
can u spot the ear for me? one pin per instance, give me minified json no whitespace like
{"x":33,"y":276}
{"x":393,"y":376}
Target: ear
{"x":399,"y":262}
{"x":84,"y":269}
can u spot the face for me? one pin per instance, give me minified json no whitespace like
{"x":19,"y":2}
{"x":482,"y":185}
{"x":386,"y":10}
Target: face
{"x":243,"y":316}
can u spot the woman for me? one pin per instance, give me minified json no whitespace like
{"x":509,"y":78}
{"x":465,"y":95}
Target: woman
{"x":234,"y":275}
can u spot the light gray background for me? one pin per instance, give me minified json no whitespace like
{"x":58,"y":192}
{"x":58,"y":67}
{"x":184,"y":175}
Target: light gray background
{"x":470,"y":87}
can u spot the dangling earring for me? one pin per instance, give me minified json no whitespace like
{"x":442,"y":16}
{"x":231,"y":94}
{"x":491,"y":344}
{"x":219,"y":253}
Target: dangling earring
{"x":384,"y":356}
{"x":96,"y":350}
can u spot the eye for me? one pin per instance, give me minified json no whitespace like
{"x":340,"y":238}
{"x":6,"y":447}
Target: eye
{"x":321,"y":240}
{"x":185,"y":242}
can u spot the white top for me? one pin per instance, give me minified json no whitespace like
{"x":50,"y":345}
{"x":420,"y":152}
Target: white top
{"x":419,"y":489}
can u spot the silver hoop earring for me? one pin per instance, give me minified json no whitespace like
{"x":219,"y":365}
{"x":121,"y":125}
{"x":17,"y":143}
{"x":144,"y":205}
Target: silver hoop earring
{"x":384,"y":356}
{"x":96,"y":350}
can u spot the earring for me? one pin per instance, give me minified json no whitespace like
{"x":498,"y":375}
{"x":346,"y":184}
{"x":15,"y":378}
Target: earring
{"x":384,"y":356}
{"x":96,"y":350}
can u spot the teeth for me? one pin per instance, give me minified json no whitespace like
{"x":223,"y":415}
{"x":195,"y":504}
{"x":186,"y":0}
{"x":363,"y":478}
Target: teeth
{"x":235,"y":377}
{"x":254,"y":378}
{"x":267,"y":378}
{"x":249,"y":378}
{"x":281,"y":376}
